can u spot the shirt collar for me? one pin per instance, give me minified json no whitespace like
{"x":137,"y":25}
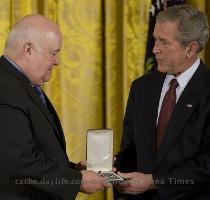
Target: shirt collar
{"x":18,"y":68}
{"x":14,"y":64}
{"x":184,"y":77}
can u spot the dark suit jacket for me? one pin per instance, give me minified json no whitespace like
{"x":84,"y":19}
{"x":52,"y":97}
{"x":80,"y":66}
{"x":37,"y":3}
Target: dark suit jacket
{"x":33,"y":160}
{"x":181,"y":168}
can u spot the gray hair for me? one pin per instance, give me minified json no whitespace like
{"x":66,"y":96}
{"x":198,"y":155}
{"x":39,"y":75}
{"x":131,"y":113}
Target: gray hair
{"x":23,"y":34}
{"x":192,"y":24}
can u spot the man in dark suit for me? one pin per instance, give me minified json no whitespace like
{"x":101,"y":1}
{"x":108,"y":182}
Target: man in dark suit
{"x":165,"y":149}
{"x":33,"y":160}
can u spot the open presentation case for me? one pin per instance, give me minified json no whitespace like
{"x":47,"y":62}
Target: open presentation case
{"x":100,"y":153}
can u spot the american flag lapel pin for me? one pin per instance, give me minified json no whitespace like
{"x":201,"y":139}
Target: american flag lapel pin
{"x":189,"y":105}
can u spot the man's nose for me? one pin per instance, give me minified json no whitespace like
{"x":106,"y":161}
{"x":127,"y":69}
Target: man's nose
{"x":155,"y":48}
{"x":56,"y":61}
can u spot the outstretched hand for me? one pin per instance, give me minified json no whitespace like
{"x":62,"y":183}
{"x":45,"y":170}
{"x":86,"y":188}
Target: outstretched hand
{"x":92,"y":182}
{"x":82,"y":165}
{"x":136,"y":183}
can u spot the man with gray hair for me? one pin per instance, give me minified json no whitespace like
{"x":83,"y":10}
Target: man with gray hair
{"x":165,"y":149}
{"x":33,"y":160}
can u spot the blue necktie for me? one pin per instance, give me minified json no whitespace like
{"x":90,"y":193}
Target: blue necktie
{"x":40,"y":93}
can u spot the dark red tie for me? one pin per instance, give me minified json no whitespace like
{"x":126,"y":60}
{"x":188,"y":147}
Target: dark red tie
{"x":166,"y":110}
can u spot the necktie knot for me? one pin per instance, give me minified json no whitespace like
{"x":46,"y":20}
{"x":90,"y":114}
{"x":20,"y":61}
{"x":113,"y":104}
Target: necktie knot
{"x":174,"y":83}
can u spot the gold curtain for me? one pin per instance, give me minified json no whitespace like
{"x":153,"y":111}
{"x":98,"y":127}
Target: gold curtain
{"x":103,"y":51}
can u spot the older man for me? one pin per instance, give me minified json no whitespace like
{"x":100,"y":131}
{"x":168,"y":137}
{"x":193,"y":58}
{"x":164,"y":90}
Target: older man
{"x":33,"y":160}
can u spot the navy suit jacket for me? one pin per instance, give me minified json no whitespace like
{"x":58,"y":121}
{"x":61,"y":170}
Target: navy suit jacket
{"x":181,"y":168}
{"x":33,"y":160}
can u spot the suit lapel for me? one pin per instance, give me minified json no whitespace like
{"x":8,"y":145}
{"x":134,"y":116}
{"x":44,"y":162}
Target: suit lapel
{"x":148,"y":109}
{"x":182,"y":112}
{"x":56,"y":120}
{"x":47,"y":113}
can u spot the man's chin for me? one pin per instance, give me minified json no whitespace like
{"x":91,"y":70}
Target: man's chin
{"x":162,"y":68}
{"x":47,"y":78}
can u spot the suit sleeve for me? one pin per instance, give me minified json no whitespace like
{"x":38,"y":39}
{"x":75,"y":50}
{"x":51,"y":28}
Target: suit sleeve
{"x":21,"y":161}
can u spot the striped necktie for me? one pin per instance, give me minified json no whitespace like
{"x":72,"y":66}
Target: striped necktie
{"x":40,"y":93}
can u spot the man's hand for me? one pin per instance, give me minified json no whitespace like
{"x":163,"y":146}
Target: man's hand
{"x":92,"y":182}
{"x":82,"y":165}
{"x":114,"y":169}
{"x":136,"y":183}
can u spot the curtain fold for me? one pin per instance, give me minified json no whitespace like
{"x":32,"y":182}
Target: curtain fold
{"x":104,"y":43}
{"x":77,"y":84}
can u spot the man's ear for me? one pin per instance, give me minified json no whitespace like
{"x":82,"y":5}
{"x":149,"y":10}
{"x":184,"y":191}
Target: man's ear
{"x":192,"y":49}
{"x":28,"y":48}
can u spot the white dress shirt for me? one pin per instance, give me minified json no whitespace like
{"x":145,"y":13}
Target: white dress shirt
{"x":182,"y":79}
